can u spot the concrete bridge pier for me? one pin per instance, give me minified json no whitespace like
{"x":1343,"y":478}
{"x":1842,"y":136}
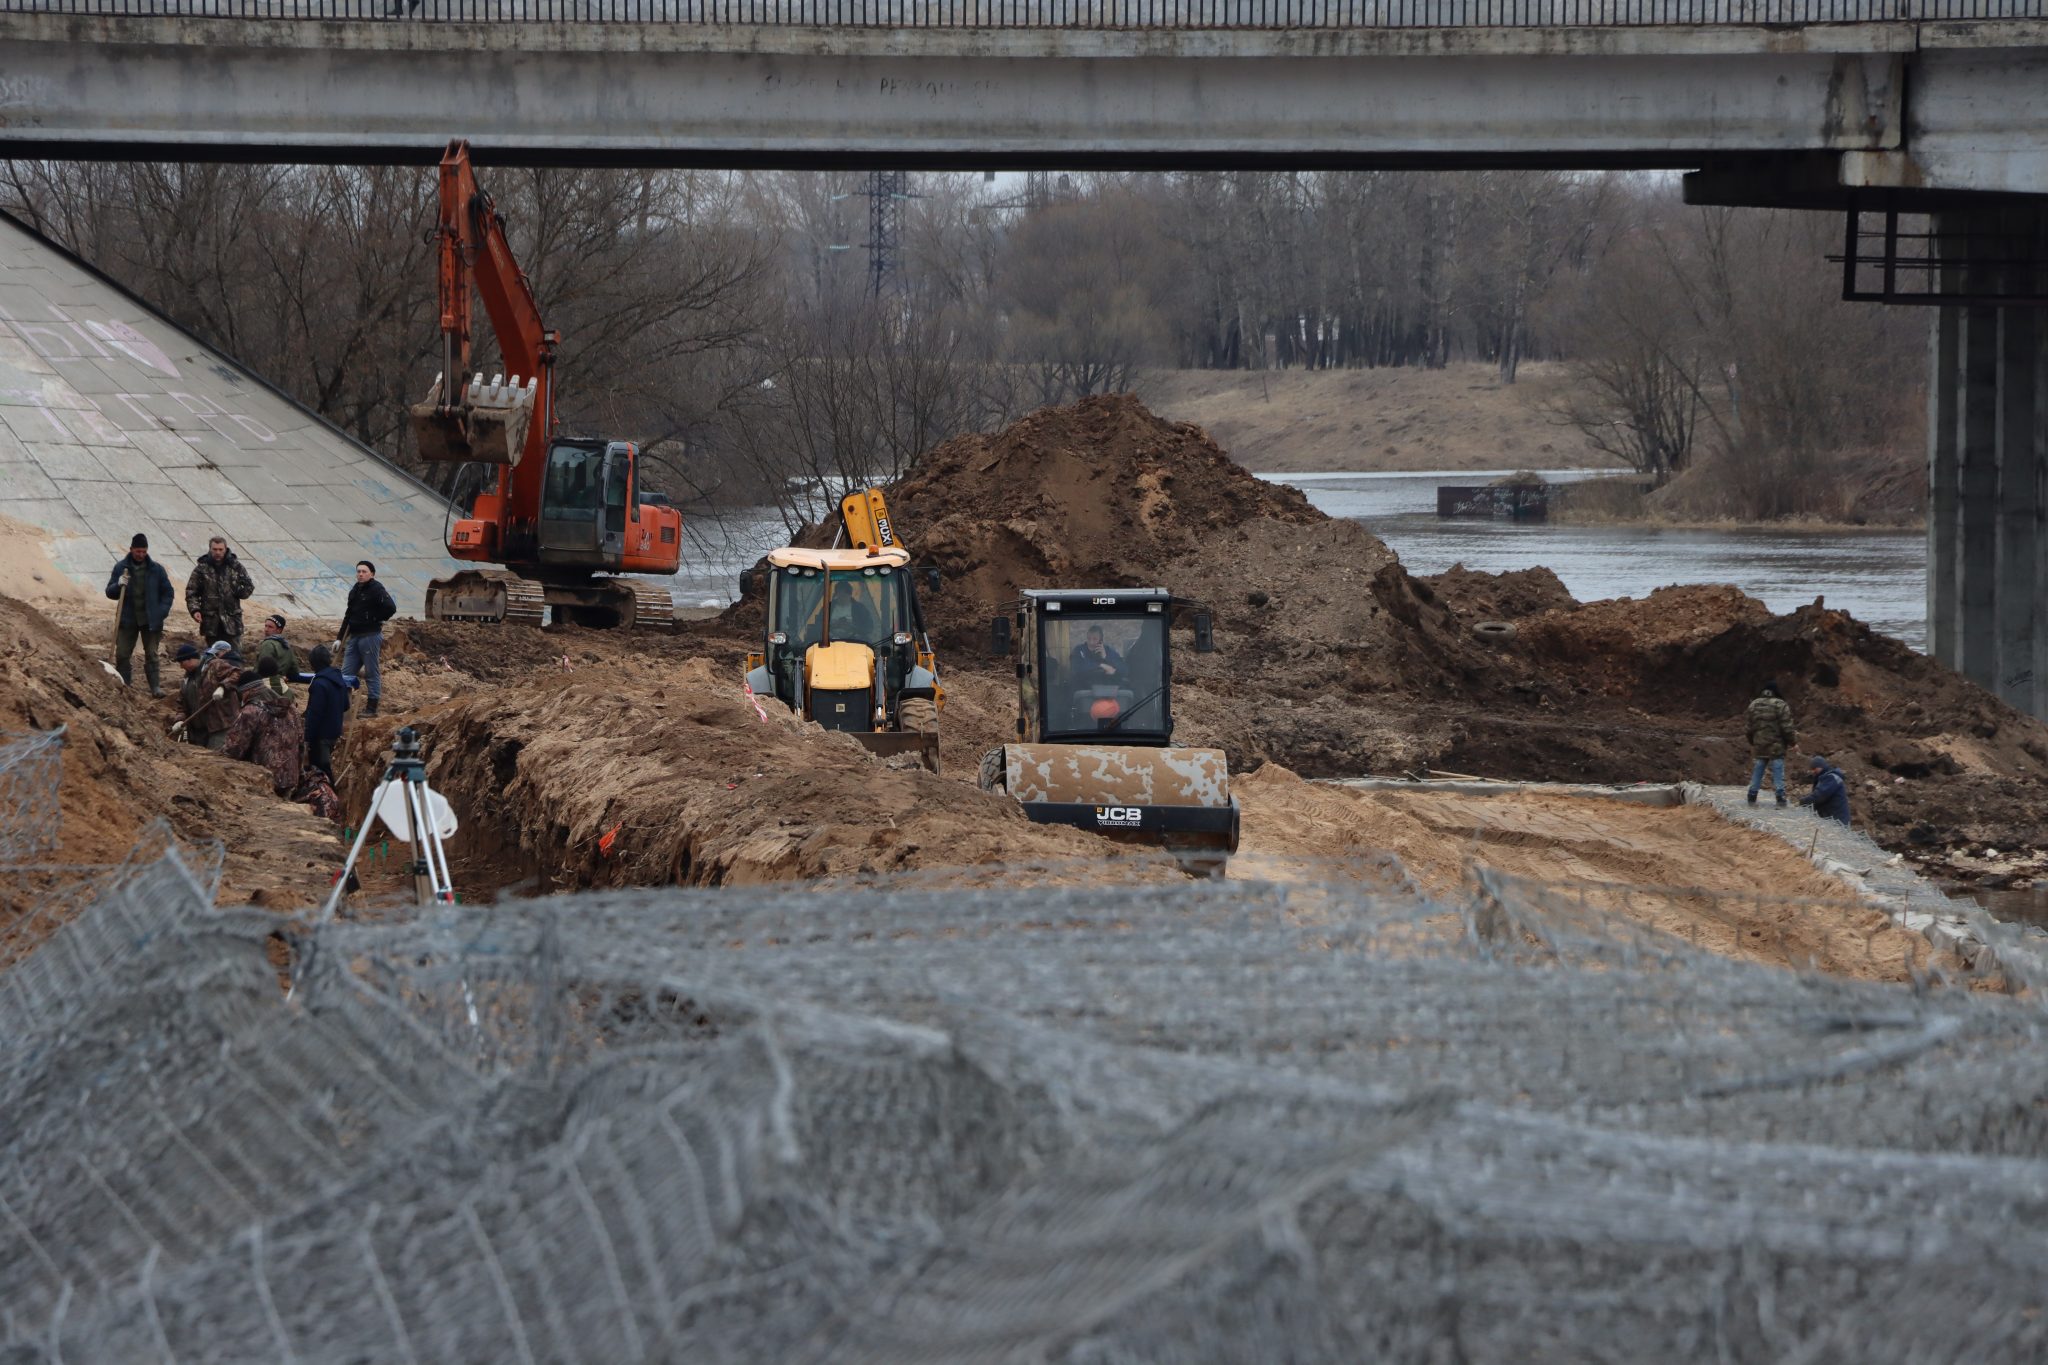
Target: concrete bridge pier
{"x":1987,"y":516}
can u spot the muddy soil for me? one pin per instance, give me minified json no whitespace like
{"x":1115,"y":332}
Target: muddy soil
{"x":1334,"y":661}
{"x":1681,"y":870}
{"x":581,"y":758}
{"x":121,"y":770}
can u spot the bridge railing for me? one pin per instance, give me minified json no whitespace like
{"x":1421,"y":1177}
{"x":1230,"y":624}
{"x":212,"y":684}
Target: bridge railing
{"x":1080,"y":14}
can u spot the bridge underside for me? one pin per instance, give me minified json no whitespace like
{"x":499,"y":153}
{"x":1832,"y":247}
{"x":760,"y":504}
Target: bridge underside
{"x":1960,"y":107}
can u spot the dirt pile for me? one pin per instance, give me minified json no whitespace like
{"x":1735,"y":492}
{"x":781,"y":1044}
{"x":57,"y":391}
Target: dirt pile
{"x":650,"y":773}
{"x":121,"y":770}
{"x":1474,"y":597}
{"x":1100,"y":493}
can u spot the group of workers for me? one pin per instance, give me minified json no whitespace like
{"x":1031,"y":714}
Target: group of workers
{"x":1771,"y":736}
{"x":247,"y":710}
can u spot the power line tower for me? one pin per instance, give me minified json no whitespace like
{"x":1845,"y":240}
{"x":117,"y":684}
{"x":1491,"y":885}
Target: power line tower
{"x":887,"y":193}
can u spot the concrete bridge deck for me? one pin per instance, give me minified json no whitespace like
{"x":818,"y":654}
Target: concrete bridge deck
{"x":1927,"y":105}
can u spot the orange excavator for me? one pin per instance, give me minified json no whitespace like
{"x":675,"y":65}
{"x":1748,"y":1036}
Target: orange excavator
{"x":566,"y":512}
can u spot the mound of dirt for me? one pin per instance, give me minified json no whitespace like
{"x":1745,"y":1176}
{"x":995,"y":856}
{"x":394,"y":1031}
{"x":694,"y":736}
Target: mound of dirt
{"x":1100,"y":493}
{"x":1473,"y":596}
{"x":649,"y":774}
{"x":121,"y":770}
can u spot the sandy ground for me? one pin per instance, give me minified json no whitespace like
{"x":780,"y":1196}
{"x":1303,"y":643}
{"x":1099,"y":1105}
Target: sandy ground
{"x":582,"y":759}
{"x":1681,"y":870}
{"x":1300,"y":421}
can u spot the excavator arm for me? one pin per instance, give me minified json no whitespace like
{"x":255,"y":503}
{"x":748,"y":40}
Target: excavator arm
{"x":465,"y":419}
{"x":555,"y":555}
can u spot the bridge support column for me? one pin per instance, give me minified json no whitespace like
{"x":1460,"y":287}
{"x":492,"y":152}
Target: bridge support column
{"x":1987,"y":522}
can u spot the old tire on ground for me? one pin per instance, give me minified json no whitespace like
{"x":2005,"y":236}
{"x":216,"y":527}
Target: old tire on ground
{"x":1493,"y":632}
{"x":994,"y":775}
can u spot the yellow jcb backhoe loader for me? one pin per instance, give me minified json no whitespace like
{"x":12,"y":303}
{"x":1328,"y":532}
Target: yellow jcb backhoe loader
{"x":1095,"y":725}
{"x":846,"y":644}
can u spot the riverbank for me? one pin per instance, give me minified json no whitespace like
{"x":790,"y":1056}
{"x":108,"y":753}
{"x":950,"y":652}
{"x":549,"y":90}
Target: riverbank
{"x":1304,"y":421}
{"x":1884,"y":490}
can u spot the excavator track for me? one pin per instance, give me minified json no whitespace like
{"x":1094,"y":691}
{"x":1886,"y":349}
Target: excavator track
{"x":526,"y":602}
{"x":493,"y":597}
{"x":654,"y":607}
{"x":487,"y":597}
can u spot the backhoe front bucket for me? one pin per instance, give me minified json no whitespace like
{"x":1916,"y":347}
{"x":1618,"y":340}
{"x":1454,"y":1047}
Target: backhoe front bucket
{"x":889,"y":743}
{"x":488,"y":425}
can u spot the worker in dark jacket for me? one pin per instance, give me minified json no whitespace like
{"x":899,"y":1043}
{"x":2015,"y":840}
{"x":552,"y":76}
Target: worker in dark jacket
{"x":144,"y":591}
{"x":1830,"y":795}
{"x":1771,"y":733}
{"x":192,"y":694}
{"x":215,"y":592}
{"x":362,"y":630}
{"x":326,"y":703}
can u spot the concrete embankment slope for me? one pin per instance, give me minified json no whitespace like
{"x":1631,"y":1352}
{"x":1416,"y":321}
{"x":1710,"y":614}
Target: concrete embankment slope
{"x":112,"y":421}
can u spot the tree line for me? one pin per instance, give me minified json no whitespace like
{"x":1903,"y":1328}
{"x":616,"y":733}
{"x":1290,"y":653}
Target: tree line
{"x":734,"y":324}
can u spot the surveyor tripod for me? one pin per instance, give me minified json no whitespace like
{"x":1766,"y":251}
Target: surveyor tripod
{"x":407,"y":775}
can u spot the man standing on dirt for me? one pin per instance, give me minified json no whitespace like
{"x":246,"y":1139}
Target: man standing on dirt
{"x":144,"y":591}
{"x":215,"y":592}
{"x":326,"y":703}
{"x":362,"y":627}
{"x":1771,"y":733}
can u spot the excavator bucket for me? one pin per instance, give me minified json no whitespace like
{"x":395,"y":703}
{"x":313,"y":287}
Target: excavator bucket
{"x":488,"y":425}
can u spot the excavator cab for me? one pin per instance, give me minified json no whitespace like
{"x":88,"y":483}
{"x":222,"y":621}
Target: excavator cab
{"x":844,"y":647}
{"x":585,"y":499}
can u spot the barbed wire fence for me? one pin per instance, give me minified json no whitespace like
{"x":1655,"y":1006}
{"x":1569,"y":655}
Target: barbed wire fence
{"x":1070,"y":14}
{"x":902,"y":1121}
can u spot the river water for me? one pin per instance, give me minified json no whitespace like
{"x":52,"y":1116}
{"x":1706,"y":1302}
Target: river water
{"x":1878,"y":576}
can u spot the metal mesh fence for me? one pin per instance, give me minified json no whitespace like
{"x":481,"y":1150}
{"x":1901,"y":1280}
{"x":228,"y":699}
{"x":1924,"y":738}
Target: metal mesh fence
{"x":902,"y":1122}
{"x":1092,"y":14}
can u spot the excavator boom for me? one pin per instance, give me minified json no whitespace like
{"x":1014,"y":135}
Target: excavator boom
{"x":464,"y":418}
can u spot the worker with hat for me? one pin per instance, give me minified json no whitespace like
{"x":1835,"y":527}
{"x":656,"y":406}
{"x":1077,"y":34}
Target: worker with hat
{"x":190,"y":697}
{"x":144,"y":591}
{"x":277,"y":649}
{"x":1830,"y":795}
{"x":218,"y":694}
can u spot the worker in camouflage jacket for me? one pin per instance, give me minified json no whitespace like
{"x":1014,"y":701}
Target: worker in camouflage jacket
{"x":1771,"y":734}
{"x":217,"y":696}
{"x":267,"y":731}
{"x":215,"y":592}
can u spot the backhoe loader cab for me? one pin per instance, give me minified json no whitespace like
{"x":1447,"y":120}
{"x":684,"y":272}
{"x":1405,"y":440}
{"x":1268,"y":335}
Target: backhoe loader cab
{"x":1095,"y":724}
{"x":845,"y":648}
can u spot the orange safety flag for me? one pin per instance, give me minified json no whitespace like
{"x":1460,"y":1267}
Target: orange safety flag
{"x":611,"y":836}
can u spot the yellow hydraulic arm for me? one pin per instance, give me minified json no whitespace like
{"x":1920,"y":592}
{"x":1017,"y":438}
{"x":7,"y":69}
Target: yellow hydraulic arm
{"x":866,"y":516}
